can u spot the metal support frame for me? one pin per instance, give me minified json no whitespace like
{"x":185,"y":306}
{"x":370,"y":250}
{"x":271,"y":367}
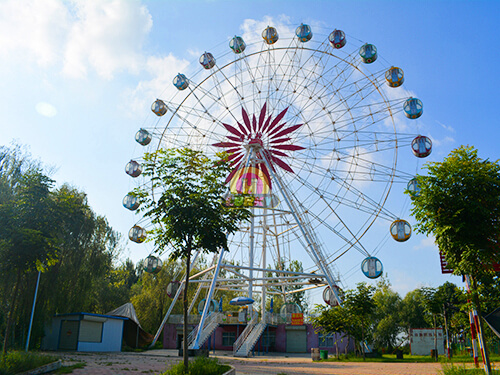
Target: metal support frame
{"x":310,"y":243}
{"x":208,"y":298}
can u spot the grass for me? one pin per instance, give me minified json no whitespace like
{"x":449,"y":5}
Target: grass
{"x":407,"y":358}
{"x":16,"y":361}
{"x":452,"y":369}
{"x":69,"y":369}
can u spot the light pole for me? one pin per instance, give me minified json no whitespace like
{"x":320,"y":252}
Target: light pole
{"x":32,"y":311}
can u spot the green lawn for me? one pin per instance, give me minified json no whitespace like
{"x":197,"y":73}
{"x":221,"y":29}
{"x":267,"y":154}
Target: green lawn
{"x":410,"y":359}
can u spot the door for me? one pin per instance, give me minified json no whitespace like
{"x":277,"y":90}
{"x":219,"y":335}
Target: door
{"x":296,"y":341}
{"x":68,"y":335}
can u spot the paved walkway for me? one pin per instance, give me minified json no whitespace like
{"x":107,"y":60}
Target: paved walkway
{"x":157,"y":361}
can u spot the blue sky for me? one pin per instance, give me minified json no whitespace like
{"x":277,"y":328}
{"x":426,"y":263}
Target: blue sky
{"x":77,"y":79}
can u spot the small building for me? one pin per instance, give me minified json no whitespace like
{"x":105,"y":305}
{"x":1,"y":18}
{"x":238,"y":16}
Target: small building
{"x":422,"y":341}
{"x":84,"y":332}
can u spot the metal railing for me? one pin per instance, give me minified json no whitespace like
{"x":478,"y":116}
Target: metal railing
{"x":248,"y":329}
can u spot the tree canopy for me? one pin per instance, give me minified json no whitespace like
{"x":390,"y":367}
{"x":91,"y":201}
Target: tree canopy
{"x":459,"y":204}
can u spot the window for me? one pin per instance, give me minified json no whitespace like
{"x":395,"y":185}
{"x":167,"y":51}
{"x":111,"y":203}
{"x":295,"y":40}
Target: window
{"x":90,"y":331}
{"x":228,"y":338}
{"x":326,"y":340}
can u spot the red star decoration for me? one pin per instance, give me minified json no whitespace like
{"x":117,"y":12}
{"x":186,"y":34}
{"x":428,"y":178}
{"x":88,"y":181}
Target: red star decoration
{"x":268,"y":137}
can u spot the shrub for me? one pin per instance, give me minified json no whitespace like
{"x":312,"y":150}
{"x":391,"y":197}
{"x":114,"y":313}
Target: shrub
{"x":200,"y":366}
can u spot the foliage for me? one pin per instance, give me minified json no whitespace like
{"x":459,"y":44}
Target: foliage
{"x":149,"y":298}
{"x":200,"y":366}
{"x":15,"y":362}
{"x":188,"y":211}
{"x":412,"y":312}
{"x":387,"y":325}
{"x":459,"y":205}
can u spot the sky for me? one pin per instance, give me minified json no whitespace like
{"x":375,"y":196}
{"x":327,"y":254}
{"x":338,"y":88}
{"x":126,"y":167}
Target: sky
{"x":77,"y":79}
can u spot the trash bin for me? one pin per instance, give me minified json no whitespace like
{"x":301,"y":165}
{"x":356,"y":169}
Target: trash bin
{"x":315,"y":354}
{"x":399,"y":354}
{"x":323,"y":354}
{"x":434,"y":354}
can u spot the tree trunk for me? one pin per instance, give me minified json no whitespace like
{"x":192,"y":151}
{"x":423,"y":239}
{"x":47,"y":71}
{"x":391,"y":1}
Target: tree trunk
{"x":185,"y":307}
{"x":448,"y":346}
{"x":11,"y":312}
{"x":363,"y":342}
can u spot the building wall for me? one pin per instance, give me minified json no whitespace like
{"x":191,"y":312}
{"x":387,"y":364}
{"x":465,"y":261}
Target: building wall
{"x":111,"y":341}
{"x":171,"y":331}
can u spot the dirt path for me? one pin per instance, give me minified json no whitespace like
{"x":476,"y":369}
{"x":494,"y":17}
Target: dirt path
{"x":157,"y":361}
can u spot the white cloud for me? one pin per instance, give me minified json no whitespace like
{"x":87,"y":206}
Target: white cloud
{"x":446,"y":127}
{"x":425,"y":243}
{"x":46,"y":109}
{"x":162,"y":70}
{"x":105,"y":36}
{"x":33,"y":30}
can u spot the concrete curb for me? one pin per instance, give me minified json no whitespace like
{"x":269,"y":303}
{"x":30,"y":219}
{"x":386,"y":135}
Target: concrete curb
{"x":44,"y":369}
{"x":232,"y":371}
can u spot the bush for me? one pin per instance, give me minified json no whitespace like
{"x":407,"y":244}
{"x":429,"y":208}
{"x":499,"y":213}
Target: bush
{"x":200,"y":366}
{"x":15,"y":362}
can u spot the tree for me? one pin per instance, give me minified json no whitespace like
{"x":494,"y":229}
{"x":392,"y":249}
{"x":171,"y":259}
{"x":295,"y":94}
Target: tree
{"x":354,"y":318}
{"x":459,"y":204}
{"x":387,"y":320}
{"x":27,"y":233}
{"x":412,"y":311}
{"x":187,"y":209}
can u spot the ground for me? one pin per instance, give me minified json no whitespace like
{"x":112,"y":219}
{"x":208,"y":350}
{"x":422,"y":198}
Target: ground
{"x":157,"y":361}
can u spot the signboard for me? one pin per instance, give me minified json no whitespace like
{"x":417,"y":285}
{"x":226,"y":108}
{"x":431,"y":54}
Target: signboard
{"x":297,"y":319}
{"x":446,"y":269}
{"x":444,"y":264}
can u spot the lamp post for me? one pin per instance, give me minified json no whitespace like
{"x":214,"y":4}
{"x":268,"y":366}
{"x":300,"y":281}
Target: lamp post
{"x":32,"y":311}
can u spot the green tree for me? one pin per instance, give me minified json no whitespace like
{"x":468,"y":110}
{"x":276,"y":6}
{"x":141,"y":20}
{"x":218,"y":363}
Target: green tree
{"x":354,"y":318}
{"x":149,"y":298}
{"x":187,"y":209}
{"x":459,"y":205}
{"x":387,"y":325}
{"x":27,"y":233}
{"x":412,"y":312}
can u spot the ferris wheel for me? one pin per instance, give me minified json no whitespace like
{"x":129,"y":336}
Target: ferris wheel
{"x":312,"y":125}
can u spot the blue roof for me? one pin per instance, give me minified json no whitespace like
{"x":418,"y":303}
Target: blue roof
{"x":92,"y":314}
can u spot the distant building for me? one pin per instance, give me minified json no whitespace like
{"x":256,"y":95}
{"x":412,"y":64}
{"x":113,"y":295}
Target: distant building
{"x":422,"y":340}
